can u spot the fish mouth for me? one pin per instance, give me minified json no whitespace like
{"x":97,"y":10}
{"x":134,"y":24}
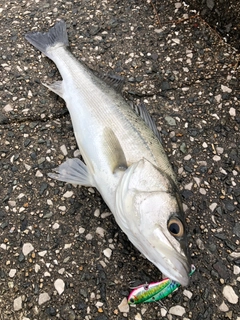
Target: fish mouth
{"x":170,"y":255}
{"x":172,"y":261}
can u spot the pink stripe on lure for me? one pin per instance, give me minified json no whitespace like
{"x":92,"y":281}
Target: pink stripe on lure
{"x":155,"y":291}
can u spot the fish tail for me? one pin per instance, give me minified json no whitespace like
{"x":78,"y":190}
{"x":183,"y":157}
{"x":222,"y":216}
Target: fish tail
{"x":44,"y":42}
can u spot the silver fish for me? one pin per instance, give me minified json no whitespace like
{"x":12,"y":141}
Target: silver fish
{"x":124,"y":159}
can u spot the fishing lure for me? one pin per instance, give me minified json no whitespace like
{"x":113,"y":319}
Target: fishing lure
{"x":155,"y":291}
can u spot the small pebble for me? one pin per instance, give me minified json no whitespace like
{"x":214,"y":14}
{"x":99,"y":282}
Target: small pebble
{"x":12,"y":273}
{"x":27,"y":248}
{"x":68,"y":194}
{"x":89,"y":236}
{"x":81,"y":230}
{"x":187,"y":294}
{"x":107,"y":252}
{"x":163,"y":312}
{"x":64,"y":150}
{"x":17,"y":303}
{"x":223,"y":307}
{"x":123,"y":306}
{"x":177,"y":310}
{"x":55,"y":226}
{"x":236,"y":269}
{"x":225,"y":89}
{"x":43,"y":297}
{"x":59,"y":286}
{"x":138,"y":316}
{"x":100,"y":231}
{"x":230,"y":294}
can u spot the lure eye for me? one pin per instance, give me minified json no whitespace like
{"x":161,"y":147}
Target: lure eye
{"x":132,"y":300}
{"x":175,"y":227}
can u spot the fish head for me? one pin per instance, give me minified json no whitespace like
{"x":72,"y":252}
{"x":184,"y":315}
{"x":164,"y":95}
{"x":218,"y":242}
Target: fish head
{"x":149,"y":211}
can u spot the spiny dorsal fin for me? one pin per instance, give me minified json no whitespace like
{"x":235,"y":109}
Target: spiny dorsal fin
{"x":142,"y":111}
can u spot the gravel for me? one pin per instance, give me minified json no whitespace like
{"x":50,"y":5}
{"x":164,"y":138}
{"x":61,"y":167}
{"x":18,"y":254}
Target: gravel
{"x":62,"y":254}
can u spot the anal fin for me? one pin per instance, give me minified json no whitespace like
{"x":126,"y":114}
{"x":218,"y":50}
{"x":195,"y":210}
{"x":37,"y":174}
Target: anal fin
{"x":73,"y":171}
{"x":56,"y":87}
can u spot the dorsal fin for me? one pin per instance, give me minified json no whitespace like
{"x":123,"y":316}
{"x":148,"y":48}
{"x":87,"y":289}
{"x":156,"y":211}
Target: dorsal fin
{"x":142,"y":111}
{"x":113,"y":80}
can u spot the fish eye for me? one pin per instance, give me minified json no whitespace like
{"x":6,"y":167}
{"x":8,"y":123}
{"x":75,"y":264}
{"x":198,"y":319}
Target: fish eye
{"x":175,"y":227}
{"x":132,"y":300}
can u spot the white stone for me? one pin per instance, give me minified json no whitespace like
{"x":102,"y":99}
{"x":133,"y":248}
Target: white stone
{"x":225,"y":89}
{"x":176,"y":40}
{"x":49,"y":202}
{"x":202,"y":191}
{"x":138,"y":316}
{"x":177,"y":310}
{"x":123,"y":306}
{"x":17,"y":303}
{"x":213,"y":206}
{"x":61,"y":271}
{"x":99,"y":304}
{"x":235,"y":255}
{"x":62,"y":208}
{"x":163,"y":312}
{"x":218,"y":98}
{"x":232,"y":112}
{"x":55,"y":226}
{"x":59,"y":286}
{"x":216,"y":158}
{"x":188,"y":186}
{"x":230,"y":294}
{"x":219,"y":150}
{"x":107,"y":252}
{"x":89,"y":236}
{"x":100,"y":231}
{"x":204,"y":145}
{"x":236,"y":269}
{"x":12,"y":273}
{"x":97,"y":213}
{"x":178,"y":5}
{"x":81,"y":230}
{"x":64,"y":150}
{"x":37,"y":267}
{"x":67,"y":246}
{"x":105,"y":215}
{"x":43,"y":297}
{"x":187,"y":293}
{"x":187,"y":157}
{"x":223,"y":307}
{"x":3,"y":246}
{"x":27,"y":248}
{"x":42,"y":253}
{"x":68,"y":194}
{"x":38,"y":174}
{"x":8,"y":108}
{"x":200,"y":244}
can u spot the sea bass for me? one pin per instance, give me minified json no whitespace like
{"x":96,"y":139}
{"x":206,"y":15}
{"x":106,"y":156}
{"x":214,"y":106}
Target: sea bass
{"x":124,"y":159}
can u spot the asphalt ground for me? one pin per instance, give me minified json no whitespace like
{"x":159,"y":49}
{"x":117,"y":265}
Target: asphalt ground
{"x":62,"y":256}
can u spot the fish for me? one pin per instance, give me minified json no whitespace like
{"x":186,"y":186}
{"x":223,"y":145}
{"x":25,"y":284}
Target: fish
{"x":123,"y":158}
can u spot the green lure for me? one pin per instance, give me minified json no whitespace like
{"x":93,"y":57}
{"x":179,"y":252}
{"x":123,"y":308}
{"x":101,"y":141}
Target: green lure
{"x":155,"y":291}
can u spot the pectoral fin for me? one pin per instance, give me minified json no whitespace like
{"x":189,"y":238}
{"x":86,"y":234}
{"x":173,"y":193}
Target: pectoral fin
{"x":73,"y":171}
{"x":113,"y":151}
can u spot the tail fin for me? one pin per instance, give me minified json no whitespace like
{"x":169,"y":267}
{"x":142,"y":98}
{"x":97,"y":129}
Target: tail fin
{"x":43,"y":41}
